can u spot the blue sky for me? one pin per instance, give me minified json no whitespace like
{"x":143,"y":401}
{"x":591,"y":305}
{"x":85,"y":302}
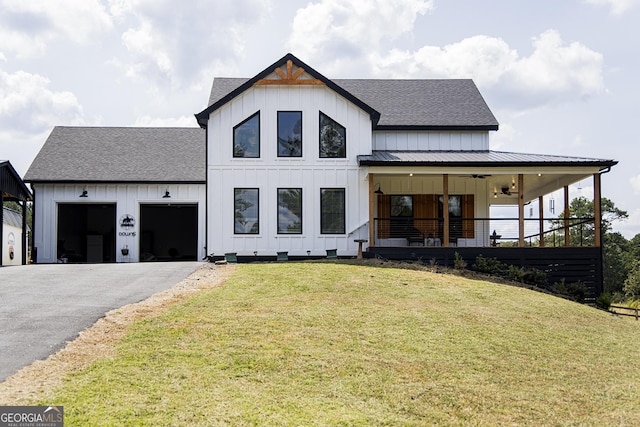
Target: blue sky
{"x":560,"y":76}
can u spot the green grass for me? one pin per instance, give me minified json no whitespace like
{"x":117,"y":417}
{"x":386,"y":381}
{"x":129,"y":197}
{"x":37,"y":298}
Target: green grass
{"x":304,"y":344}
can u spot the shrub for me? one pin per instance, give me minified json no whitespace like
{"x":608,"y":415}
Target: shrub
{"x":490,"y":266}
{"x":516,"y":273}
{"x":577,"y":290}
{"x":536,"y":277}
{"x":458,"y":262}
{"x":604,"y":300}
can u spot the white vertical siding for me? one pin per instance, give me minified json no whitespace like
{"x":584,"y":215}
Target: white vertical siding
{"x":126,"y":197}
{"x":11,"y":238}
{"x":430,"y":141}
{"x":270,"y":172}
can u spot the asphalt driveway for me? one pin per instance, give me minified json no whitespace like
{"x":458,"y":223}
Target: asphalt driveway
{"x":43,"y":306}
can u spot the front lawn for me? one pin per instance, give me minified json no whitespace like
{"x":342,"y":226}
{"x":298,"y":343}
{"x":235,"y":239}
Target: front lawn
{"x":304,"y":344}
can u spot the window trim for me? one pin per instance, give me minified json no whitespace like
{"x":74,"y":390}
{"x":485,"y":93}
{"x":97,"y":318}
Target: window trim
{"x":278,"y":133}
{"x":233,"y":147}
{"x":320,"y":114}
{"x":344,"y":211}
{"x":235,"y":189}
{"x":278,"y":211}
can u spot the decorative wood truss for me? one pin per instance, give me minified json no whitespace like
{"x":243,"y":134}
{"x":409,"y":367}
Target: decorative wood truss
{"x":291,"y":77}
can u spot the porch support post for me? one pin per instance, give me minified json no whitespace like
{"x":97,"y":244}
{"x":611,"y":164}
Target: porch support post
{"x":372,"y":242}
{"x":567,"y":238}
{"x":445,"y":208}
{"x":25,"y":246}
{"x":541,"y":220}
{"x":520,"y":210}
{"x":597,"y":210}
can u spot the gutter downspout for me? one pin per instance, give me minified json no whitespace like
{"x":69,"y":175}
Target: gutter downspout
{"x":206,"y":193}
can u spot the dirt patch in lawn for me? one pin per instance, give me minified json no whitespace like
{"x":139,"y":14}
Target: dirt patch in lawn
{"x":37,"y":382}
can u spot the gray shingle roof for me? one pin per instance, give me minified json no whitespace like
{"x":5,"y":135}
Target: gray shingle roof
{"x":452,"y":104}
{"x":120,"y":154}
{"x":474,"y":158}
{"x":12,"y":218}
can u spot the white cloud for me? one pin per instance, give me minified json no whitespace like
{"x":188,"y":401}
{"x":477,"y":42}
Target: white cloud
{"x":484,"y":58}
{"x":555,"y":72}
{"x":180,"y":46}
{"x":635,"y":184}
{"x":555,"y":68}
{"x":148,"y":121}
{"x":618,"y":7}
{"x":28,"y":26}
{"x":328,"y":30}
{"x":345,"y":38}
{"x":28,"y":105}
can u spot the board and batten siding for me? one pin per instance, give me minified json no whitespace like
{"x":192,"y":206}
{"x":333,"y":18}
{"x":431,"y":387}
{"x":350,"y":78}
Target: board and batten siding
{"x":126,"y":197}
{"x":11,"y":238}
{"x":430,"y":141}
{"x":270,"y":172}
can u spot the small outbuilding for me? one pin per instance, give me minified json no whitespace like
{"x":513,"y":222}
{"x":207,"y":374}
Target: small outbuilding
{"x":13,"y":239}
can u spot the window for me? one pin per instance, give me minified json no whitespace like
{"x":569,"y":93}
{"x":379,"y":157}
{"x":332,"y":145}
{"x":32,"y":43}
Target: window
{"x":289,"y":133}
{"x":333,"y":139}
{"x":246,"y":137}
{"x":290,"y":210}
{"x":246,"y":211}
{"x":332,"y":211}
{"x":401,"y":212}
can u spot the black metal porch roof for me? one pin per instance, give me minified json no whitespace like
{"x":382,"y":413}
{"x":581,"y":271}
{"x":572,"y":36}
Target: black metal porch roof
{"x":476,"y":159}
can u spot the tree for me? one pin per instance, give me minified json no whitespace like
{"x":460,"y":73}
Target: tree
{"x":617,"y":261}
{"x":582,"y":224}
{"x":632,"y":283}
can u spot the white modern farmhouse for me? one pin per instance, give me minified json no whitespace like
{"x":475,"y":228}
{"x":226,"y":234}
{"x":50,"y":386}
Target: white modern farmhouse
{"x":291,"y":162}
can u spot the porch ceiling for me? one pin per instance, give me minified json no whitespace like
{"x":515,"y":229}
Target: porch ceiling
{"x":536,"y":183}
{"x":543,"y":174}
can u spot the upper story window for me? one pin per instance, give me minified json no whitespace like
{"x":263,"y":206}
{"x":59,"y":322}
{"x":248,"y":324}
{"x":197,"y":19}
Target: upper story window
{"x":289,"y":133}
{"x":289,"y":210}
{"x":246,"y":211}
{"x":246,"y":137}
{"x":333,"y":138}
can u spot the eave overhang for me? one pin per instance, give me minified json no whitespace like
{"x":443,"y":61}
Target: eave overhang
{"x":478,"y":159}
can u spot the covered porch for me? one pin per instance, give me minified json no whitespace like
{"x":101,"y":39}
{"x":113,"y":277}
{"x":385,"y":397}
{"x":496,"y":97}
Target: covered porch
{"x":429,"y":205}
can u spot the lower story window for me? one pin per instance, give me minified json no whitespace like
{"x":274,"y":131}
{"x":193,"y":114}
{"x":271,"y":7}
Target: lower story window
{"x":332,"y":210}
{"x":246,"y":211}
{"x":289,"y":210}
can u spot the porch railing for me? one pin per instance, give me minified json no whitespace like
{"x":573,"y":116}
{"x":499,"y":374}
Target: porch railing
{"x":484,"y":232}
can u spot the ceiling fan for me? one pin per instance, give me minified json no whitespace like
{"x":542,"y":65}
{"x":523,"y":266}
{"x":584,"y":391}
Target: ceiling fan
{"x":505,"y":190}
{"x":475,"y":176}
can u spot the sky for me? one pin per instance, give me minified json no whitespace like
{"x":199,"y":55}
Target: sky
{"x":560,"y":76}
